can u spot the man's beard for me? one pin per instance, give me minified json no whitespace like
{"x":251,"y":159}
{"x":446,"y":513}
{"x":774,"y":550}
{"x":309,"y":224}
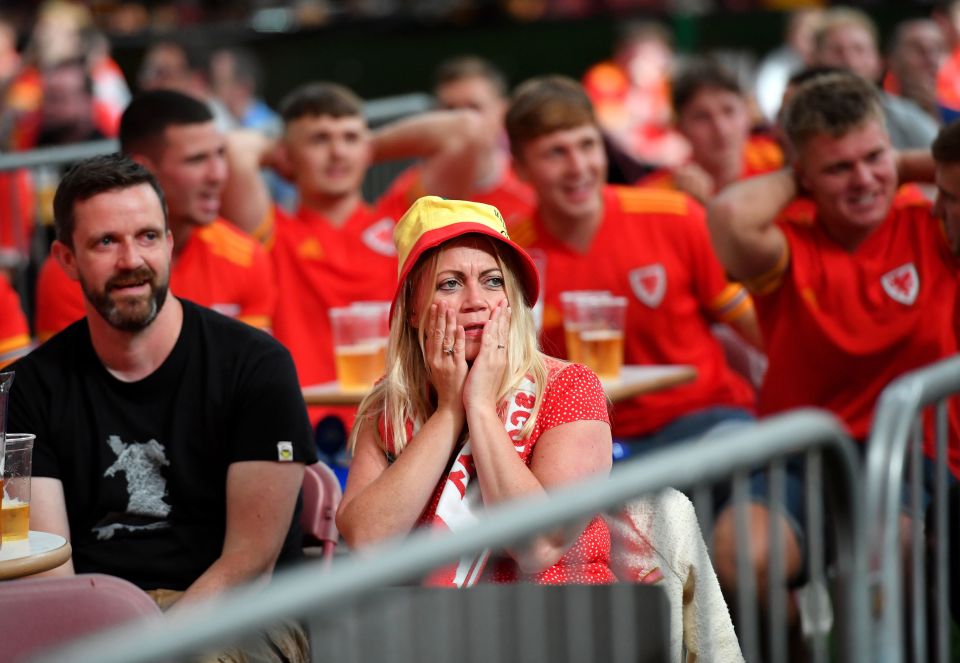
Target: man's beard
{"x":129,"y":314}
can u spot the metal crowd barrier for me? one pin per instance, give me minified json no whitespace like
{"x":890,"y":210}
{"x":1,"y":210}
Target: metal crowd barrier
{"x":307,"y":592}
{"x":896,"y":444}
{"x":377,"y":112}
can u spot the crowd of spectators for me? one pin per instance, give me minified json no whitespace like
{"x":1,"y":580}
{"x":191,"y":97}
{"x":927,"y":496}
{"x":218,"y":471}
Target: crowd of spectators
{"x":792,"y":218}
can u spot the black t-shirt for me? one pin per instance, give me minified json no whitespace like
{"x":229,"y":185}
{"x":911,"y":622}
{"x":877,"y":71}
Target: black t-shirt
{"x":144,"y":464}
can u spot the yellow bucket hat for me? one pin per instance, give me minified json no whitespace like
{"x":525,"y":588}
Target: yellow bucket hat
{"x":432,"y":220}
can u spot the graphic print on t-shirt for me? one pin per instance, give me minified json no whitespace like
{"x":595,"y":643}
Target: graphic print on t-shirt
{"x":146,"y":487}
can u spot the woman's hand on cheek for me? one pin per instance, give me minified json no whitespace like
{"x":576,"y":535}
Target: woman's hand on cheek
{"x":445,"y":356}
{"x":486,"y":375}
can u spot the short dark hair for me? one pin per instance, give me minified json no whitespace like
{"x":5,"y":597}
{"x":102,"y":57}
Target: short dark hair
{"x":698,"y":75}
{"x":831,"y":104}
{"x":93,"y":176}
{"x":319,"y":99}
{"x":147,"y":117}
{"x":809,"y":73}
{"x":946,"y":147}
{"x":470,"y":66}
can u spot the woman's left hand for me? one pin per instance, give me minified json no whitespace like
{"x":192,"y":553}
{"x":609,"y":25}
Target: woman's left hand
{"x":486,"y":375}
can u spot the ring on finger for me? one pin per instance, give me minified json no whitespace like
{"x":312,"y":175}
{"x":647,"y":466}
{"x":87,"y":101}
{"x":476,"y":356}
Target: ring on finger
{"x":449,"y":350}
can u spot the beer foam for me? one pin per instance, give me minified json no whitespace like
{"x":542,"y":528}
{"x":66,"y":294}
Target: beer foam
{"x":594,"y":335}
{"x":365,"y":348}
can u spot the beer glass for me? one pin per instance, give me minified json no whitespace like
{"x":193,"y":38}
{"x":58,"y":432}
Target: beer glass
{"x":593,"y":324}
{"x":17,"y":470}
{"x":360,"y":334}
{"x":6,"y":381}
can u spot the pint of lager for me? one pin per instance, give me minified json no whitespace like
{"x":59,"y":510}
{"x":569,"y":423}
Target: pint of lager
{"x":593,"y":323}
{"x":17,"y":470}
{"x":360,"y":343}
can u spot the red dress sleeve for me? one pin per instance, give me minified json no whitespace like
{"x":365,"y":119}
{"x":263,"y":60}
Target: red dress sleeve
{"x":574,"y":393}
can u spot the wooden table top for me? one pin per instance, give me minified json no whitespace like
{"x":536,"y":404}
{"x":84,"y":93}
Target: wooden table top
{"x":633,"y":381}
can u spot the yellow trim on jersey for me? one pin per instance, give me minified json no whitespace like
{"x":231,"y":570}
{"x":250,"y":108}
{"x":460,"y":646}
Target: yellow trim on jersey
{"x":770,"y":280}
{"x":14,"y":342}
{"x":732,"y":302}
{"x":650,"y":200}
{"x":259,"y":321}
{"x":235,"y":248}
{"x":264,"y":233}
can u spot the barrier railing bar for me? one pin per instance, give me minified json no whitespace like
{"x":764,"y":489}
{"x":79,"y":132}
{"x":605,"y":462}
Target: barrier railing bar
{"x":56,"y":156}
{"x":703,"y":506}
{"x":918,"y":577}
{"x":813,"y":477}
{"x":307,"y":590}
{"x":886,"y":455}
{"x":376,"y":111}
{"x":747,"y":596}
{"x":776,"y":582}
{"x":940,"y":551}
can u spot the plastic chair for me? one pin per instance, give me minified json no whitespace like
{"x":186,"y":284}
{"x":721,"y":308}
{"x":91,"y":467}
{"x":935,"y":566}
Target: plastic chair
{"x":39,"y":613}
{"x":321,"y":497}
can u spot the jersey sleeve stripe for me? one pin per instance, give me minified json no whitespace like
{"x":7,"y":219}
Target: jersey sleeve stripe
{"x":770,"y":280}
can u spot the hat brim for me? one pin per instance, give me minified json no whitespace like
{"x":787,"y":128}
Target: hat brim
{"x":528,"y":276}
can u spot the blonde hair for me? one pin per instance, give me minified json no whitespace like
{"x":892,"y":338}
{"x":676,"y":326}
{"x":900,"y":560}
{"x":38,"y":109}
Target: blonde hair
{"x":403,"y":394}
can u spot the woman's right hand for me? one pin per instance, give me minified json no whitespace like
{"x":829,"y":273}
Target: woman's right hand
{"x":447,"y":369}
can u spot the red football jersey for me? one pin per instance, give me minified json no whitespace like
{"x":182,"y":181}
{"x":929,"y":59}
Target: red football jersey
{"x":760,"y":155}
{"x":318,"y":267}
{"x":653,"y":248}
{"x":840,"y":325}
{"x":220,"y":267}
{"x":14,"y":332}
{"x":514,"y":198}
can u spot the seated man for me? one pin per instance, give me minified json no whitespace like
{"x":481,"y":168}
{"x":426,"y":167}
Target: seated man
{"x":171,"y":439}
{"x":214,"y":263}
{"x":849,"y":298}
{"x":648,"y":245}
{"x":713,"y":114}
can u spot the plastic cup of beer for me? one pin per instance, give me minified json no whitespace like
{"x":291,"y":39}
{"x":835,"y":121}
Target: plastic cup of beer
{"x":360,"y":334}
{"x":577,"y":308}
{"x":17,"y":470}
{"x":594,"y":335}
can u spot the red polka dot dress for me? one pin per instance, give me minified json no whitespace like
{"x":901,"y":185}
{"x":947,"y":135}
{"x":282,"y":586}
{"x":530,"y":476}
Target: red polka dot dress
{"x":573,"y":393}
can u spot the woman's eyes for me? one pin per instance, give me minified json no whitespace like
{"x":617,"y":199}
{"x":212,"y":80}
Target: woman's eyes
{"x":448,"y":284}
{"x":494,"y":282}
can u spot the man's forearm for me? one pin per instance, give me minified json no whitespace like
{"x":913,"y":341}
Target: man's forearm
{"x":229,"y":571}
{"x":741,"y":221}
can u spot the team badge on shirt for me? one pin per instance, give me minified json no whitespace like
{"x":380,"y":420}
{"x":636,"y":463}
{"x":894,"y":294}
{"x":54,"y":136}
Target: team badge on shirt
{"x":902,"y":284}
{"x":649,"y":283}
{"x":379,"y":237}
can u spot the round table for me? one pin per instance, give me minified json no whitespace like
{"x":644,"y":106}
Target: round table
{"x":41,"y":551}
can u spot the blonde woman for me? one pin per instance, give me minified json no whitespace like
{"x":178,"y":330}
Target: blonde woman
{"x":471,"y":413}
